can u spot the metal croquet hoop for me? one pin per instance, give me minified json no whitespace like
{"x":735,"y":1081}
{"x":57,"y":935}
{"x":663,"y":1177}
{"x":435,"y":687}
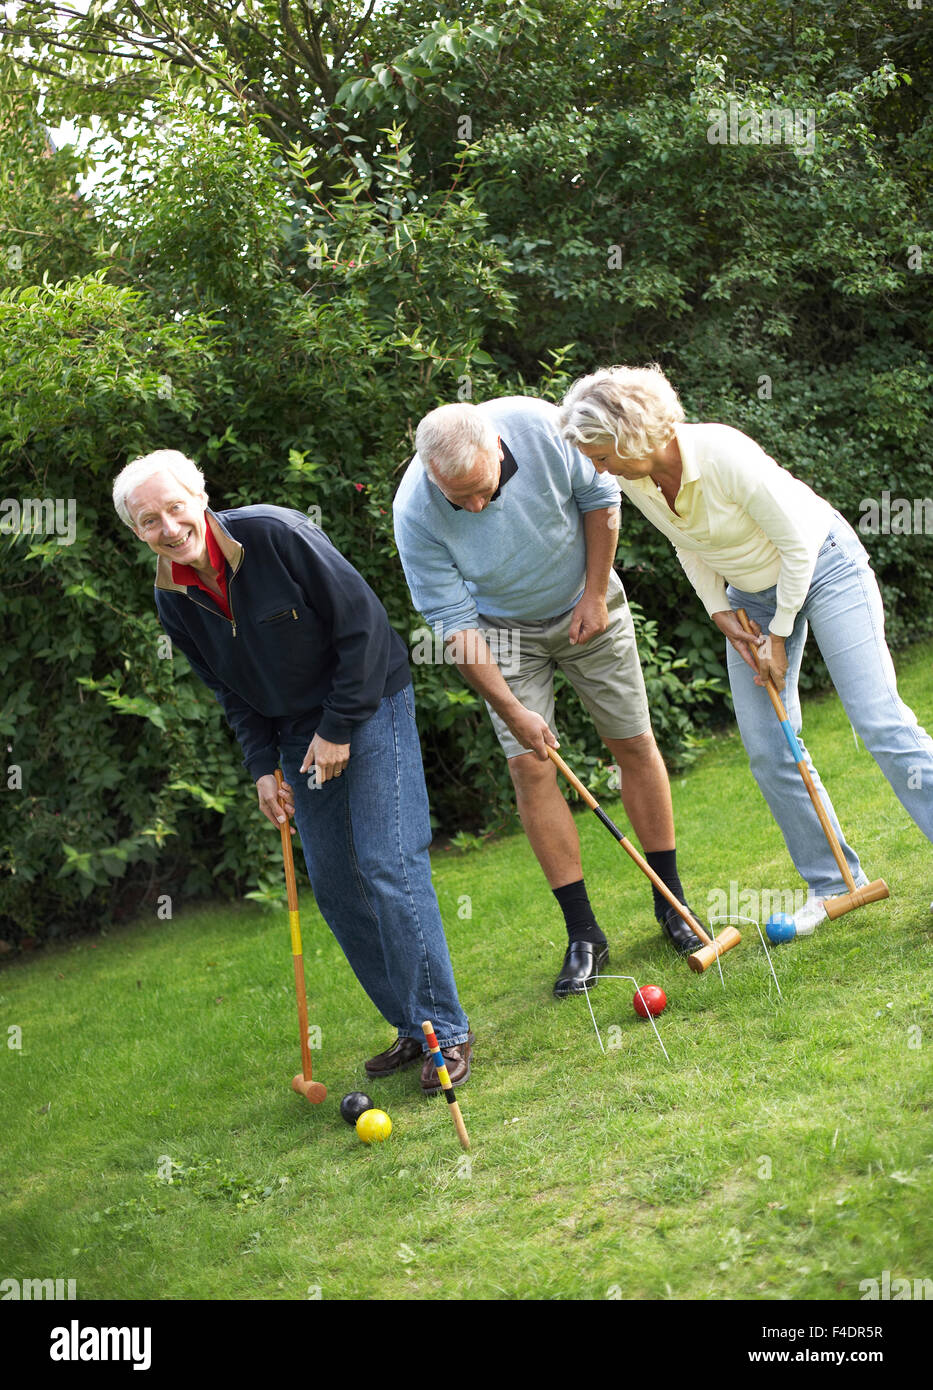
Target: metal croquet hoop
{"x":734,"y":917}
{"x":648,"y":1014}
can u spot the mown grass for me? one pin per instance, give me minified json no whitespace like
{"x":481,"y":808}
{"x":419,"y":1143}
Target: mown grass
{"x":784,"y":1152}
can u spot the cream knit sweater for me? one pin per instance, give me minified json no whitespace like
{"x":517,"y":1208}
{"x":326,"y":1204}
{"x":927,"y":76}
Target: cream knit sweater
{"x":740,"y":519}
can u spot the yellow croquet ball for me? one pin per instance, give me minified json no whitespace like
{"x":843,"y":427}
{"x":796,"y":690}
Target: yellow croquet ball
{"x":373,"y":1126}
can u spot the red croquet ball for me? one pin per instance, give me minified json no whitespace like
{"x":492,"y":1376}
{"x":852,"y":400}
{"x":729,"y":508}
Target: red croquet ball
{"x":652,"y":1000}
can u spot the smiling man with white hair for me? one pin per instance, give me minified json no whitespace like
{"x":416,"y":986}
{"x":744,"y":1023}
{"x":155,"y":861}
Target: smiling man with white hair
{"x":507,"y":536}
{"x":310,"y":674}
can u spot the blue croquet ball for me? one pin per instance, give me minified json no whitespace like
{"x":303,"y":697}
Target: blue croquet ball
{"x":353,"y":1105}
{"x":780,"y":927}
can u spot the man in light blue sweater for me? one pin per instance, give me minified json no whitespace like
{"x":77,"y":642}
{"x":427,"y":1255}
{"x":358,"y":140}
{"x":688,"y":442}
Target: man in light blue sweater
{"x":507,"y":536}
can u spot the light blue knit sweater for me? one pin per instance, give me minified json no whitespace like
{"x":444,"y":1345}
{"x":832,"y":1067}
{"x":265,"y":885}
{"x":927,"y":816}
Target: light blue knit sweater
{"x":524,"y":556}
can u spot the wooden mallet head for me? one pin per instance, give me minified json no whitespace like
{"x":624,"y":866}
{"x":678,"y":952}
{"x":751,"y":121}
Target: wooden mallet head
{"x":314,"y":1091}
{"x":857,"y":897}
{"x":701,"y":960}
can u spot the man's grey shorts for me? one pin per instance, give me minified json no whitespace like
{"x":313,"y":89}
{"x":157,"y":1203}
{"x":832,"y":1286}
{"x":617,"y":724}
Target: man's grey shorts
{"x":605,"y":672}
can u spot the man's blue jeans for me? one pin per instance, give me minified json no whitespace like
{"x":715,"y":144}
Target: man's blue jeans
{"x":365,"y":837}
{"x":843,"y":608}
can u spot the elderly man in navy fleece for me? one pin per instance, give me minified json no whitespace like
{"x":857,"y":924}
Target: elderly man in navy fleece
{"x":506,"y":530}
{"x":299,"y":652}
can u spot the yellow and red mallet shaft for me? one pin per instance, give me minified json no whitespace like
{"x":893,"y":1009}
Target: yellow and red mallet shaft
{"x":443,"y":1077}
{"x":312,"y":1090}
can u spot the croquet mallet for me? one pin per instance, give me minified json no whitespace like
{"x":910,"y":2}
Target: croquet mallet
{"x":443,"y":1076}
{"x":313,"y":1091}
{"x":713,"y":946}
{"x":856,"y":897}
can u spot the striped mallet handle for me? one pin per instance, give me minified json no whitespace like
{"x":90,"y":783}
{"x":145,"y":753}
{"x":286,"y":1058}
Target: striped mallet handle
{"x":797,"y":755}
{"x":312,"y":1090}
{"x":586,"y":795}
{"x":443,"y":1076}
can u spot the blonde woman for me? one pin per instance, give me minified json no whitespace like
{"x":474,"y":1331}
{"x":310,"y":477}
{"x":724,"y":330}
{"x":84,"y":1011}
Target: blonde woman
{"x":750,"y":535}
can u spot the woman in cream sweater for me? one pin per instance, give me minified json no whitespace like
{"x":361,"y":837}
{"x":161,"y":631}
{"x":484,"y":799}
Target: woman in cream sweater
{"x":750,"y":535}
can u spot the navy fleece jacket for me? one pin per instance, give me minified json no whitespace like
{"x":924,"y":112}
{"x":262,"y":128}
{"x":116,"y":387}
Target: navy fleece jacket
{"x":309,"y":649}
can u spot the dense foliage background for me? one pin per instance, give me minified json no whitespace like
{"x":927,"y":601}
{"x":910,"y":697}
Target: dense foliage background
{"x":299,"y":227}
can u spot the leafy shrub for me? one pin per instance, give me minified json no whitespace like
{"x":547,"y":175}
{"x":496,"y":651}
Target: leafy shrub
{"x":286,"y":317}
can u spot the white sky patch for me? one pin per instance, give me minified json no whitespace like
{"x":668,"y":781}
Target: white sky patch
{"x":108,"y":154}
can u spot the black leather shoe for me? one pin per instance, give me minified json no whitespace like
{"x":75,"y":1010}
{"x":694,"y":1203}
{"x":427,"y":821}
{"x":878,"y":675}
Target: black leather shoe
{"x":583,"y":962}
{"x":683,"y":940}
{"x":404,"y":1052}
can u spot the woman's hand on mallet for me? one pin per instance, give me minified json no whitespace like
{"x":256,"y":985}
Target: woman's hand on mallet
{"x":275,"y":803}
{"x":766,"y":655}
{"x":772,"y":661}
{"x":745,"y":643}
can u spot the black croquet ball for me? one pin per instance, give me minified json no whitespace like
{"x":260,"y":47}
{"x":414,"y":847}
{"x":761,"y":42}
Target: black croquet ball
{"x":353,"y":1105}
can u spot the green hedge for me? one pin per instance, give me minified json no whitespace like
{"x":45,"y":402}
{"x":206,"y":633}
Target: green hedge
{"x":289,"y":339}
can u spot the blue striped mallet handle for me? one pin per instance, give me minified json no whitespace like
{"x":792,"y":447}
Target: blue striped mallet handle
{"x":797,"y":755}
{"x":443,"y":1077}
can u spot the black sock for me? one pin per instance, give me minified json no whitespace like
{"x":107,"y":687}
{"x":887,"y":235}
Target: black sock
{"x":578,"y":915}
{"x":664,"y":863}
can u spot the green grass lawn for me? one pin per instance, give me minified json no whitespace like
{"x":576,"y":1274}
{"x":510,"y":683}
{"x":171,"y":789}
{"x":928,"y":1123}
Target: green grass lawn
{"x":784,"y":1151}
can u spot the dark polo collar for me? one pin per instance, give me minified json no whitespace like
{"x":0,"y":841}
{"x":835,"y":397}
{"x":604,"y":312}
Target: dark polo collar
{"x":230,"y":549}
{"x":507,"y":470}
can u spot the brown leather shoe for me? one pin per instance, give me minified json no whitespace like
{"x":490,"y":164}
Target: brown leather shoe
{"x":458,"y":1066}
{"x":404,"y":1052}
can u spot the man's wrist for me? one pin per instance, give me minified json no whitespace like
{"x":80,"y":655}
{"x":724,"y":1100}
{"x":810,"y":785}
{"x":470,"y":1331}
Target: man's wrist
{"x":505,"y":704}
{"x":508,"y":707}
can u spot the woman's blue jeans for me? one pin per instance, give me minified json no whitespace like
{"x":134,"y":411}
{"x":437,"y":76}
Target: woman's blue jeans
{"x":843,"y":608}
{"x":365,"y":837}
